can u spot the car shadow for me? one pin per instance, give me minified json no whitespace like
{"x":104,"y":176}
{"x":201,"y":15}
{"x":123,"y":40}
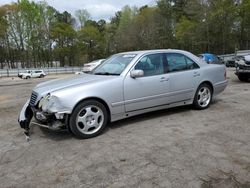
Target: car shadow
{"x":59,"y":135}
{"x":62,"y":135}
{"x":215,"y":101}
{"x":148,"y":116}
{"x":66,"y":135}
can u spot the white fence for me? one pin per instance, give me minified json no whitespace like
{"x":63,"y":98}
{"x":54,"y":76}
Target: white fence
{"x":50,"y":70}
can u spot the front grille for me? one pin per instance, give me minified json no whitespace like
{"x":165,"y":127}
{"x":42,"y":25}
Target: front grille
{"x":33,"y":99}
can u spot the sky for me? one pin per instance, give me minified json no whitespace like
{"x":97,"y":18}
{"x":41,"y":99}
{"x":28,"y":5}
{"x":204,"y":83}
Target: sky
{"x":98,"y":9}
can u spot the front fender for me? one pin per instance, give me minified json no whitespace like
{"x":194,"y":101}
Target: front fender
{"x":108,"y":91}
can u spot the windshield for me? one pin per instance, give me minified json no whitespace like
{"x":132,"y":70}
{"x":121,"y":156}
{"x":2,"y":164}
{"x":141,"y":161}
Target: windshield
{"x":114,"y":65}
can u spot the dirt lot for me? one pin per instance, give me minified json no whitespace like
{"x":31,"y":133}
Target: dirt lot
{"x":177,"y":147}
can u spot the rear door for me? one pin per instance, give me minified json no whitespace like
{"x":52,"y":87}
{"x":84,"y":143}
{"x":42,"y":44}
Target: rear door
{"x":184,"y":77}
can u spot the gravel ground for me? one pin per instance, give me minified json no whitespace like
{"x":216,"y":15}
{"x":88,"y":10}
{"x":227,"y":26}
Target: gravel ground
{"x":178,"y":147}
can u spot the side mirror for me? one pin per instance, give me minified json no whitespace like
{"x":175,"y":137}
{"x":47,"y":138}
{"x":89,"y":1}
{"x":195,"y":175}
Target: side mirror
{"x":136,"y":73}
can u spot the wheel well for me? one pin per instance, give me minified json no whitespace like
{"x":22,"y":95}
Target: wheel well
{"x":210,"y":84}
{"x":101,"y":101}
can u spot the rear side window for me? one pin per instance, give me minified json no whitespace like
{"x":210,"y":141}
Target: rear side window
{"x":191,"y":64}
{"x":38,"y":71}
{"x":179,"y":62}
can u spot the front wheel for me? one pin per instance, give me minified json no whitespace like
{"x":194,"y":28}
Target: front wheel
{"x":88,"y":119}
{"x":203,"y":97}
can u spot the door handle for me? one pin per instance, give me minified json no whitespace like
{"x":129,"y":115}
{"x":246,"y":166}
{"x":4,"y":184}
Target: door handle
{"x":164,"y":79}
{"x":196,"y":74}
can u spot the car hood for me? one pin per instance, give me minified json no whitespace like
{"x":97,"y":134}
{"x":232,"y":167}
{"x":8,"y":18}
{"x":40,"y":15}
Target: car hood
{"x":59,"y":84}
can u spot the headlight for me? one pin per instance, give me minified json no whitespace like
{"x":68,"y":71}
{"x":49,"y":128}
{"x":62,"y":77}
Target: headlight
{"x":44,"y":100}
{"x":49,"y":103}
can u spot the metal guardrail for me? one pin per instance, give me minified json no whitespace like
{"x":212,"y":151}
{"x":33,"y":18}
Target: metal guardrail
{"x":51,"y":70}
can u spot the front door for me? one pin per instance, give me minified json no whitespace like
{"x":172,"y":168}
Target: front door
{"x":151,"y":89}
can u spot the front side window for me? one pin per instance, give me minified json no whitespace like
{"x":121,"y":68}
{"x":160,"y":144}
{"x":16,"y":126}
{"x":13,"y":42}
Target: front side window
{"x":178,"y":62}
{"x":152,"y":64}
{"x":114,"y":65}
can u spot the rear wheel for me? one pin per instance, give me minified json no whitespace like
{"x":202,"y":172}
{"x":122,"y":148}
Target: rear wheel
{"x":88,"y":119}
{"x":203,"y":96}
{"x":27,"y":77}
{"x":41,"y":76}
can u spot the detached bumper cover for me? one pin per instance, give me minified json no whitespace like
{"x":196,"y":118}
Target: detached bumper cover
{"x":25,"y":116}
{"x":49,"y":121}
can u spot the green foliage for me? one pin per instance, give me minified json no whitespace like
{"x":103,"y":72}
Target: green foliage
{"x":3,"y":22}
{"x":36,"y":34}
{"x":127,"y":17}
{"x":92,"y":42}
{"x":243,"y":29}
{"x":184,"y":30}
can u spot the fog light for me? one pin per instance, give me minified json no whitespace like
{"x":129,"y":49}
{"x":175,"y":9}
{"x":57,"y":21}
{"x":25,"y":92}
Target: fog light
{"x":40,"y":116}
{"x":59,"y":116}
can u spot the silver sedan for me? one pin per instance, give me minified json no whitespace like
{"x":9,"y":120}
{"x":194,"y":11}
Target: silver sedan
{"x":126,"y":84}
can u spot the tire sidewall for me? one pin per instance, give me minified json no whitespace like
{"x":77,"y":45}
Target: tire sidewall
{"x":196,"y":103}
{"x":77,"y":109}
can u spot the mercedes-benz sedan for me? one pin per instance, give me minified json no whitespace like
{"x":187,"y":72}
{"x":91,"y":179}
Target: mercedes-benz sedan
{"x":125,"y":85}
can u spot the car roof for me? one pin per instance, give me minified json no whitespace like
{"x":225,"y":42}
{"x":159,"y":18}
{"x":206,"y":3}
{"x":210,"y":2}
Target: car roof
{"x":186,"y":53}
{"x":142,"y":52}
{"x":155,"y":51}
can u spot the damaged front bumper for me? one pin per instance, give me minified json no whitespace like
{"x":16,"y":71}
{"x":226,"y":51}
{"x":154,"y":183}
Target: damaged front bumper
{"x":24,"y":119}
{"x":49,"y":121}
{"x":25,"y":116}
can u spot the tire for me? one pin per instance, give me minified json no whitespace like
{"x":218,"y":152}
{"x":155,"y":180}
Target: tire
{"x":203,"y":97}
{"x":41,"y":76}
{"x":88,"y":119}
{"x":27,"y":77}
{"x":242,"y":78}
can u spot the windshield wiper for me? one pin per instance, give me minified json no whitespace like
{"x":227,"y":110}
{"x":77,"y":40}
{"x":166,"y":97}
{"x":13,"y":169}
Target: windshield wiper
{"x":105,"y":73}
